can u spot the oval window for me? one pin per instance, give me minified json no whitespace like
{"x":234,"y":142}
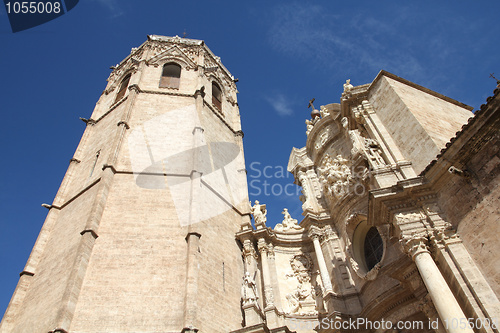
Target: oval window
{"x":368,"y":246}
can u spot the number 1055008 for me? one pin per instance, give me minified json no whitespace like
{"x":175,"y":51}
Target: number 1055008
{"x":33,"y":7}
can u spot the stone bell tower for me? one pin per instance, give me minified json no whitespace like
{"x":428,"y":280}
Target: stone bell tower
{"x":140,"y":236}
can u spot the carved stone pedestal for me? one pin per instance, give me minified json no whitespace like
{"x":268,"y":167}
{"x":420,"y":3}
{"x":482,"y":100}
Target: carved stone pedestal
{"x":272,"y":319}
{"x":253,"y":315}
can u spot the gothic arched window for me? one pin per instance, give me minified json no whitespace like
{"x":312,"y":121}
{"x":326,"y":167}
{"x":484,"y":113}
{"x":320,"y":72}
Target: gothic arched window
{"x":123,"y":88}
{"x":216,"y":96}
{"x":170,"y":76}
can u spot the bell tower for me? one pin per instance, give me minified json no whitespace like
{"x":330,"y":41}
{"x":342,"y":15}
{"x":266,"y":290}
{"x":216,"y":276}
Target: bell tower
{"x":140,"y":236}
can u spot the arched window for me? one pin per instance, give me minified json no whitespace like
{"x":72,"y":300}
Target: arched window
{"x":123,"y":88}
{"x":216,"y":96}
{"x":170,"y":76}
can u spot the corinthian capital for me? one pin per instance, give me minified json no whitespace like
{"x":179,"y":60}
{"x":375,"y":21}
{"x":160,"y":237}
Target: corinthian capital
{"x":413,"y":245}
{"x":315,"y":232}
{"x":262,"y":246}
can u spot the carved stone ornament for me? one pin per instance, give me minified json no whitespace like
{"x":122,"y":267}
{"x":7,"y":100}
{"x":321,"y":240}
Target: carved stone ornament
{"x":335,"y":175}
{"x":301,"y":301}
{"x":414,"y":244}
{"x":373,"y":153}
{"x":322,"y":138}
{"x":249,"y":290}
{"x":309,"y":125}
{"x":407,"y":217}
{"x":324,"y":111}
{"x":370,"y":275}
{"x":288,"y":224}
{"x":269,"y":296}
{"x":249,"y":251}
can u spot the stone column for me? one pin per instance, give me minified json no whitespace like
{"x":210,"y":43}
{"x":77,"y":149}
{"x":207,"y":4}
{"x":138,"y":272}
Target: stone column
{"x":191,"y":299}
{"x":314,"y":234}
{"x":270,"y":310}
{"x":446,"y":305}
{"x":266,"y":276}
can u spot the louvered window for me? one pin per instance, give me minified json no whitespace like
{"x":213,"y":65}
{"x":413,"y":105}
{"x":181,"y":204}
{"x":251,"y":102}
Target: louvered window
{"x":216,"y":96}
{"x":170,"y":76}
{"x":123,"y":88}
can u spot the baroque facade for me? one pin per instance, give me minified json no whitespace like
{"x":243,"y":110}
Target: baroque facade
{"x":151,"y":228}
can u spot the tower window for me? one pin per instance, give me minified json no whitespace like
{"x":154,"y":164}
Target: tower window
{"x":170,"y":76}
{"x":216,"y":96}
{"x":123,"y":88}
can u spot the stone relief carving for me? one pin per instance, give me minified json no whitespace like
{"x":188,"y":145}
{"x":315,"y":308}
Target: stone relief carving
{"x":288,"y":223}
{"x":301,"y":301}
{"x":259,"y":213}
{"x":249,"y":290}
{"x":306,"y":191}
{"x":323,"y":137}
{"x":249,"y":251}
{"x":324,"y":111}
{"x":406,"y":217}
{"x":357,"y":141}
{"x":311,"y":190}
{"x":335,"y":175}
{"x":373,"y":153}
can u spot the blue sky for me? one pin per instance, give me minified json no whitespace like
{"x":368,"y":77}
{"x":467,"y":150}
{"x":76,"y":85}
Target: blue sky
{"x":283,"y":52}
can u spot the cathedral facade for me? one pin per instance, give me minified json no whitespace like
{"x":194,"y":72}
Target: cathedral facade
{"x":151,"y":229}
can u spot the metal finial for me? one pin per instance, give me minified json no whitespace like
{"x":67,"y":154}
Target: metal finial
{"x":493,"y":76}
{"x":311,"y":103}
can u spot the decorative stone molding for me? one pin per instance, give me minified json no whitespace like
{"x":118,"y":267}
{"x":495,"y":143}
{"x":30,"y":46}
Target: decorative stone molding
{"x":368,"y":276}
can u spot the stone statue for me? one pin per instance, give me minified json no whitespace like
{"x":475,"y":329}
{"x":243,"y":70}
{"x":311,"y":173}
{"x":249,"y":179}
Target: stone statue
{"x":259,"y":212}
{"x":348,"y":86}
{"x":288,"y":223}
{"x":248,"y":290}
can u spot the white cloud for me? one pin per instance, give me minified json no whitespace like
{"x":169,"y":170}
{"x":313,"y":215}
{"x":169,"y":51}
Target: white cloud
{"x":280,"y":104}
{"x":312,"y":33}
{"x":112,"y":6}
